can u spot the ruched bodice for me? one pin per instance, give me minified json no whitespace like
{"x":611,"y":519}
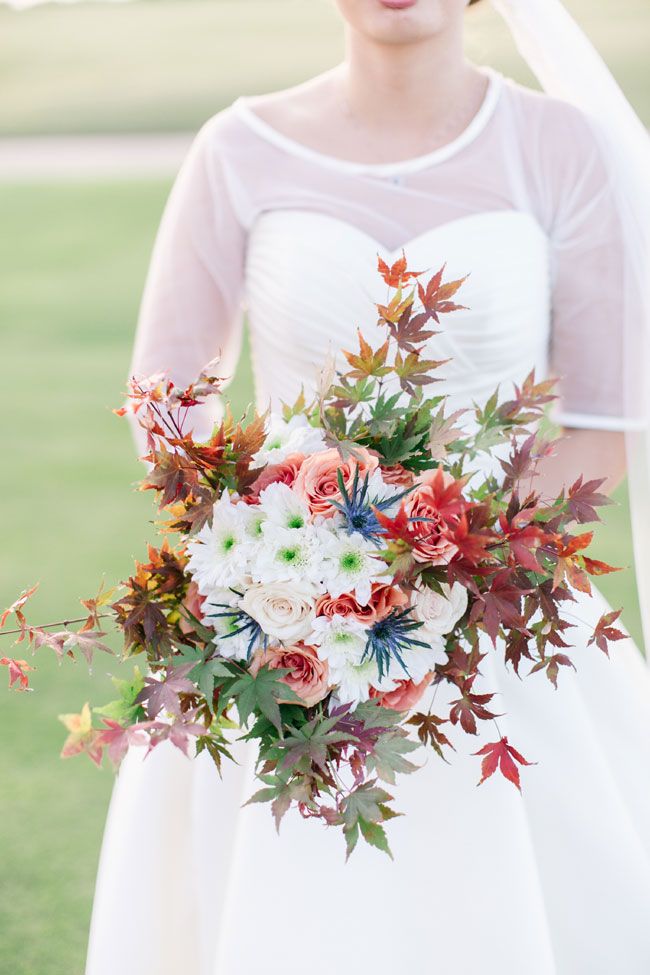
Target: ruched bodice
{"x":311,"y":280}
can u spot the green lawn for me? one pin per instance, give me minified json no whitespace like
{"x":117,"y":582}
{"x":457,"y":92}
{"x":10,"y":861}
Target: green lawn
{"x":170,"y":64}
{"x":73,"y":260}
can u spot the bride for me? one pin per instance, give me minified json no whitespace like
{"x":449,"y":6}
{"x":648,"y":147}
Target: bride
{"x":281,"y":207}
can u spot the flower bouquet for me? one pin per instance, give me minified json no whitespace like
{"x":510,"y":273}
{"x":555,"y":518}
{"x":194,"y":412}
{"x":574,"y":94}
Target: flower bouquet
{"x":326,"y":570}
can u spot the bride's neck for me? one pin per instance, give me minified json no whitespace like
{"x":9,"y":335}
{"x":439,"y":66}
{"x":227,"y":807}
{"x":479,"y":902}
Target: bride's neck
{"x":379,"y":80}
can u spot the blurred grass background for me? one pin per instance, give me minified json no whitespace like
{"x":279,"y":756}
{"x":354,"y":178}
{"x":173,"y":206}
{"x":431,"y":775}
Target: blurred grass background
{"x":72,"y":262}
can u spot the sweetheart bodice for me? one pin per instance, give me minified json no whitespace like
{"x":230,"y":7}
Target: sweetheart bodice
{"x":311,"y":280}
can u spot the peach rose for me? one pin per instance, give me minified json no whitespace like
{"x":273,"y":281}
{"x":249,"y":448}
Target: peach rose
{"x":317,"y":481}
{"x":285,"y":472}
{"x":308,"y":677}
{"x":438,"y":501}
{"x":383,"y":599}
{"x":193,"y":602}
{"x":405,"y":696}
{"x":397,"y":475}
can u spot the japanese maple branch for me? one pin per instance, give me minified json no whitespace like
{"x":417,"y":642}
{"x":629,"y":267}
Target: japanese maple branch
{"x":47,"y":626}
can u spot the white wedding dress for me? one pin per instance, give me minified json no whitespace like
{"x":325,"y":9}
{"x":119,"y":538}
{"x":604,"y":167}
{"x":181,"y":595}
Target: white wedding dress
{"x":552,"y":882}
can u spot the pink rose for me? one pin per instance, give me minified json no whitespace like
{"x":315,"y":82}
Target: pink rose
{"x":438,"y":501}
{"x":318,"y":483}
{"x":308,"y":677}
{"x":285,"y":472}
{"x":383,"y":599}
{"x":405,"y":696}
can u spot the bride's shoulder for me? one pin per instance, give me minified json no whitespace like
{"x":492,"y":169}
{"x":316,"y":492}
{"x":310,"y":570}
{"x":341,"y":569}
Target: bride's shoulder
{"x":550,"y":123}
{"x":290,"y":111}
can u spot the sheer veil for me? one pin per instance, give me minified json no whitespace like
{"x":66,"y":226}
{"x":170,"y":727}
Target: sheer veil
{"x":568,"y":66}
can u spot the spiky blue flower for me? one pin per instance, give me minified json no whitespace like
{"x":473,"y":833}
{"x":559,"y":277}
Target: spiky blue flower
{"x":241,"y":622}
{"x":358,"y":508}
{"x":390,"y":638}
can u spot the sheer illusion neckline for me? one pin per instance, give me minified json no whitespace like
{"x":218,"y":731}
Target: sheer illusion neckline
{"x":413,"y":164}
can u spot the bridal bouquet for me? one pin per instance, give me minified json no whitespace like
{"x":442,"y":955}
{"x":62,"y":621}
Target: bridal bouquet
{"x":326,"y":570}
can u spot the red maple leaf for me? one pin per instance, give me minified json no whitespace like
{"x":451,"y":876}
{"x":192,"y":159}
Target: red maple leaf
{"x":400,"y":527}
{"x":17,"y":672}
{"x":435,"y":297}
{"x":16,"y":608}
{"x":398,"y":274}
{"x":469,"y":707}
{"x":523,"y":539}
{"x":502,"y":755}
{"x":584,"y":498}
{"x":552,"y":666}
{"x":604,"y":631}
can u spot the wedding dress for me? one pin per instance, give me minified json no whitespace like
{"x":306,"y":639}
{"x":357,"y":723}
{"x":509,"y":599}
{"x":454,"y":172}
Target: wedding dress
{"x":555,"y":881}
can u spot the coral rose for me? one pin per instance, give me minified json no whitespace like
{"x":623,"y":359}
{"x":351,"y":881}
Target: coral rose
{"x":317,"y":481}
{"x":438,"y":501}
{"x":285,"y":472}
{"x":405,"y":696}
{"x":308,"y":675}
{"x":383,"y":599}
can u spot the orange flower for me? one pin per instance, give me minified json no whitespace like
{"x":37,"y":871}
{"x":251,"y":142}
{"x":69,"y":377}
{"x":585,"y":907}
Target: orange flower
{"x":383,"y":599}
{"x":438,"y":502}
{"x":285,"y":472}
{"x":396,"y":474}
{"x":405,"y":696}
{"x":318,"y":483}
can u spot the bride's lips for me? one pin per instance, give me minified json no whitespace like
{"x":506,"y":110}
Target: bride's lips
{"x":398,"y":4}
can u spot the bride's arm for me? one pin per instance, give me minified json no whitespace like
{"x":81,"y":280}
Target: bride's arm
{"x":592,"y":453}
{"x":191,"y":308}
{"x":588,"y":309}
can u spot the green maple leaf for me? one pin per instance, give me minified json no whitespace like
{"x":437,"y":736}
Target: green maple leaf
{"x":261,"y":694}
{"x":310,"y":742}
{"x":387,"y":757}
{"x":124,"y":710}
{"x":281,"y":793}
{"x":206,"y":671}
{"x":363,"y":810}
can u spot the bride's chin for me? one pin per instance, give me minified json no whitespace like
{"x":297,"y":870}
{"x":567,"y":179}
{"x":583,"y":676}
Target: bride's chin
{"x":400,"y":21}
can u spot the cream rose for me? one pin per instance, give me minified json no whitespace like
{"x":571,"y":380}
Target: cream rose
{"x":439,"y":612}
{"x":284,"y":612}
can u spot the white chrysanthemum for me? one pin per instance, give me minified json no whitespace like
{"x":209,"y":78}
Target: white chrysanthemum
{"x":230,"y":643}
{"x":290,"y":555}
{"x":282,"y":507}
{"x":354,"y":680}
{"x":286,"y":437}
{"x":218,"y":555}
{"x":284,"y":612}
{"x":439,"y":612}
{"x":418,"y":661}
{"x":379,"y":490}
{"x":350,"y":565}
{"x":339,"y":638}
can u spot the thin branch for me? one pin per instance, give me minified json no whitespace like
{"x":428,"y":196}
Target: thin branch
{"x":47,"y":626}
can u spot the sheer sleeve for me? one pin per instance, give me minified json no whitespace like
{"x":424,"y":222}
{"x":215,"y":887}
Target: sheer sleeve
{"x":588,"y":283}
{"x":191,"y":308}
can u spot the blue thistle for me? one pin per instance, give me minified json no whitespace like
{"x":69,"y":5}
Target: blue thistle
{"x":390,"y":637}
{"x":357,"y":508}
{"x":243,"y":623}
